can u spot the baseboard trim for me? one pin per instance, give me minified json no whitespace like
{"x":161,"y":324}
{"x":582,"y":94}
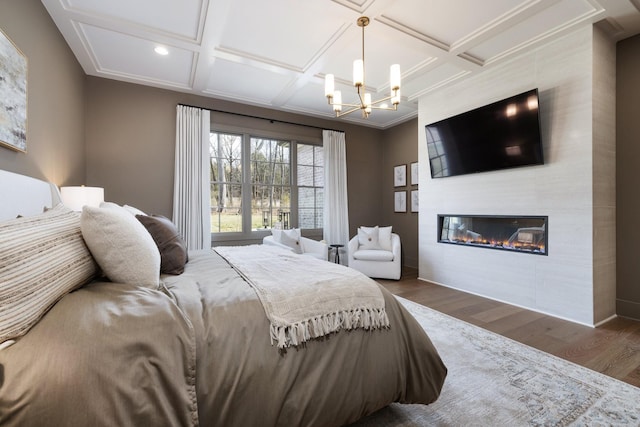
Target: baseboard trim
{"x":630,"y":309}
{"x":511,"y":303}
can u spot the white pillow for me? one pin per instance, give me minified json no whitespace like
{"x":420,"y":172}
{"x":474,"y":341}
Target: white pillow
{"x":290,"y":238}
{"x":121,"y":246}
{"x":384,"y":236}
{"x":132,"y":210}
{"x":368,"y":238}
{"x":276,"y":233}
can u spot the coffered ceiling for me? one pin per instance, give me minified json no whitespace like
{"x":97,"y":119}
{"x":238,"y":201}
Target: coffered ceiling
{"x":275,"y":53}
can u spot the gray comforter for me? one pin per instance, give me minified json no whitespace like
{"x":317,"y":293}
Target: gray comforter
{"x":198,"y":351}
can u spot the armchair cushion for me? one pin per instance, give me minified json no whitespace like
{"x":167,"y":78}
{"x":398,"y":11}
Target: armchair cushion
{"x":368,"y":239}
{"x":289,"y":238}
{"x":308,"y":246}
{"x":373,"y":255}
{"x":383,"y":235}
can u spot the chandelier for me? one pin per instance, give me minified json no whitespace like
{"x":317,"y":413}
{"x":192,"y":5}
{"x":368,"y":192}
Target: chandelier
{"x":366,"y":105}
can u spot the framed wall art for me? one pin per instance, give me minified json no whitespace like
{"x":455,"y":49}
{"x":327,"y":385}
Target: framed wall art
{"x":414,"y":201}
{"x":13,"y":95}
{"x":414,"y":173}
{"x":400,"y":201}
{"x":400,"y":176}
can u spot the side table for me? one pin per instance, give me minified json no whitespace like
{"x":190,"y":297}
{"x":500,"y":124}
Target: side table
{"x":337,"y":248}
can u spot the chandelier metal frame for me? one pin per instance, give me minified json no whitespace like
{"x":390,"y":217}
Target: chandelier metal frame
{"x":334,"y":97}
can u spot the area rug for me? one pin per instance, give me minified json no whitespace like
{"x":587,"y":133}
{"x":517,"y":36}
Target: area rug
{"x":495,"y":381}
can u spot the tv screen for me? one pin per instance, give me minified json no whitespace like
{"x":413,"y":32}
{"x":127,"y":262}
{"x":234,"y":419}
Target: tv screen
{"x":501,"y":135}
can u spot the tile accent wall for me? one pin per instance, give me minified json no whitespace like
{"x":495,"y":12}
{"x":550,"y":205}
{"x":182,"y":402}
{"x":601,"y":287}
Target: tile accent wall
{"x":575,"y":281}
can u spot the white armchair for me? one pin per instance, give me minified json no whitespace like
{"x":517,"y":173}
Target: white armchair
{"x":377,"y":263}
{"x":309,"y":247}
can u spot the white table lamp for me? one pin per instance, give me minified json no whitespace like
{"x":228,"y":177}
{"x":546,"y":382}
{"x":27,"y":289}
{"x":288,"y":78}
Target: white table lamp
{"x":77,"y":197}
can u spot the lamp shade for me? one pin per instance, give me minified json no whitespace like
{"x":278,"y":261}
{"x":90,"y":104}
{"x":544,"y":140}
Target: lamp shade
{"x":358,"y":72}
{"x":77,"y":197}
{"x":337,"y":101}
{"x":394,"y":77}
{"x":367,"y":102}
{"x":329,"y":85}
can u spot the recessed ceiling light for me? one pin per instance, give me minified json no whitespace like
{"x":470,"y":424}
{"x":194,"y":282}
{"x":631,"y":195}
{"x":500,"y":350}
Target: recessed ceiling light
{"x":161,"y":50}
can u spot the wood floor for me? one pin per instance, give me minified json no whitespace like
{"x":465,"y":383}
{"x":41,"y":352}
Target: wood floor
{"x":612,"y":349}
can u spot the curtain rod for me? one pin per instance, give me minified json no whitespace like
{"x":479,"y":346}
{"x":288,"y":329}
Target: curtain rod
{"x":261,"y":118}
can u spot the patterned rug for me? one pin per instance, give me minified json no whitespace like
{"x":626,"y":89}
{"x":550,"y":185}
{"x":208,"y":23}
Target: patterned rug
{"x":495,"y":381}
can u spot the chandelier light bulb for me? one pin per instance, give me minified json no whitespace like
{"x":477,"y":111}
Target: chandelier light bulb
{"x":329,"y":85}
{"x":394,"y":77}
{"x":358,"y":72}
{"x":395,"y":97}
{"x":337,"y":101}
{"x":367,"y":103}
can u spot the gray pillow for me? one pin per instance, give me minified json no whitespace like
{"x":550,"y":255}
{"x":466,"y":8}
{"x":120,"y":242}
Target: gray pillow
{"x":173,"y":250}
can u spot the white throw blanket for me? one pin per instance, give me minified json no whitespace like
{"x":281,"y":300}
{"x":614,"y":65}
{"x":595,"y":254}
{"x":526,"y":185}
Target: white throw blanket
{"x":304,"y":297}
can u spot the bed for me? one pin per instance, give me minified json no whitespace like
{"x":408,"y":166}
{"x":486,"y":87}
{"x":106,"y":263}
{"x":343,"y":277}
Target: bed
{"x":197,"y":349}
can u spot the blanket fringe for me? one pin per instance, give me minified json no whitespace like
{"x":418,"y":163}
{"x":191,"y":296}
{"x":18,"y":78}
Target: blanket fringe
{"x":300,"y":332}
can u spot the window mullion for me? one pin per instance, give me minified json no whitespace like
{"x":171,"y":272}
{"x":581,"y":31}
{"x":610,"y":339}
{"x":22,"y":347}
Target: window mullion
{"x":246,"y":184}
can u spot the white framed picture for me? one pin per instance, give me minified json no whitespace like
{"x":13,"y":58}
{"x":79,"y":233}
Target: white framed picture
{"x":400,"y":201}
{"x":414,"y":173}
{"x":400,"y":176}
{"x":414,"y":201}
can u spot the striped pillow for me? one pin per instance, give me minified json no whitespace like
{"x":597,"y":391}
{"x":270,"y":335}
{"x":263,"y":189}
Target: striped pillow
{"x":42,"y":258}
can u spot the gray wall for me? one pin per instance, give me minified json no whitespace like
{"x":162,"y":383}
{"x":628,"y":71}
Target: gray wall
{"x":628,"y":161}
{"x":55,"y":97}
{"x":401,"y":148}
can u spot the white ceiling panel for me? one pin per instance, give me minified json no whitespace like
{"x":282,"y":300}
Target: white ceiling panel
{"x":120,"y":54}
{"x":305,"y":99}
{"x":229,"y":79}
{"x":284,"y":31}
{"x":276,"y":53}
{"x":449,"y":21}
{"x":563,"y":15}
{"x":181,"y":18}
{"x":438,"y":76}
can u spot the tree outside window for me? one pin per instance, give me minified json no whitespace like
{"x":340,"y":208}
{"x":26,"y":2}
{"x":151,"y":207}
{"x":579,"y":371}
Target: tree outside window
{"x":226,"y":182}
{"x":270,"y":183}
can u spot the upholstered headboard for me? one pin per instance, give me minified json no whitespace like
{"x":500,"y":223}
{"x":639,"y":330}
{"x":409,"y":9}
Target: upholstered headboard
{"x":23,"y":195}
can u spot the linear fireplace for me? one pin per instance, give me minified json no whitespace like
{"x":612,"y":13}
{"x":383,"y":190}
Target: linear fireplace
{"x":526,"y":234}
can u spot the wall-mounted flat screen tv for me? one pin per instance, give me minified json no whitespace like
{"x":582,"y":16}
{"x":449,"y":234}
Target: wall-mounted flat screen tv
{"x":501,"y":135}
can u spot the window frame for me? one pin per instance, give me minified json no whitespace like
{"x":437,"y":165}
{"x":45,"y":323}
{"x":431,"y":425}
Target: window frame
{"x":248,"y":234}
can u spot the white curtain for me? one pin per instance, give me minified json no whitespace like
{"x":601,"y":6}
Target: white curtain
{"x":191,"y":188}
{"x":336,"y":209}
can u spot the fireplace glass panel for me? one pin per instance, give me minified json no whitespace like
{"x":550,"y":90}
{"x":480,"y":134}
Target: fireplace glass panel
{"x":526,"y":234}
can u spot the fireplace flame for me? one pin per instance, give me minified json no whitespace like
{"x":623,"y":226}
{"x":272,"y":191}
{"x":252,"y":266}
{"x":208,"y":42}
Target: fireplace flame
{"x":501,"y":244}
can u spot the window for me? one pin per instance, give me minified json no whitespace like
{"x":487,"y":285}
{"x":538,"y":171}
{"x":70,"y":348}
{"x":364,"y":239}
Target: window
{"x":310,"y":174}
{"x":225,"y":152}
{"x":259,"y":183}
{"x":270,"y":183}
